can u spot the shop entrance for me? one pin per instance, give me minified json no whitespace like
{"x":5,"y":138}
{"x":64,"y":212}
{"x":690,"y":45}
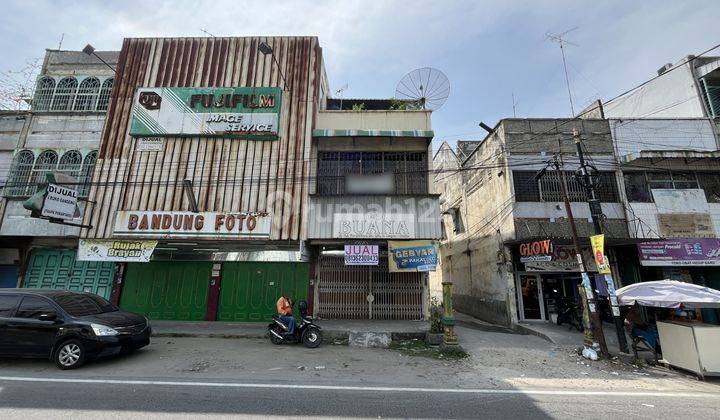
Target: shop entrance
{"x":173,"y":290}
{"x":539,"y":294}
{"x":367,"y":292}
{"x":58,"y":269}
{"x":250,"y":290}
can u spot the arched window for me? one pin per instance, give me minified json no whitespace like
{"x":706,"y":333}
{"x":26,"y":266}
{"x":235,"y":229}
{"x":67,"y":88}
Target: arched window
{"x":43,"y":94}
{"x":105,"y":95}
{"x":71,"y":163}
{"x":87,"y":95}
{"x":87,"y":173}
{"x":64,"y":94}
{"x":46,"y":162}
{"x":19,"y":176}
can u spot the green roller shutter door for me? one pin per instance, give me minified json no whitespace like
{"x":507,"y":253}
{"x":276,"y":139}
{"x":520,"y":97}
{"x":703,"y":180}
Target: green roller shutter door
{"x":248,"y":291}
{"x":167,"y":289}
{"x":58,"y":269}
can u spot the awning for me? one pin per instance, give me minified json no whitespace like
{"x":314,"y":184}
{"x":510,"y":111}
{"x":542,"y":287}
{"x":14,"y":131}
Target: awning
{"x":656,"y":155}
{"x":373,"y":133}
{"x":669,"y":294}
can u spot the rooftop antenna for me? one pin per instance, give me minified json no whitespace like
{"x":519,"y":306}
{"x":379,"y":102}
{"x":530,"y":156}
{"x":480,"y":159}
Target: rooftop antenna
{"x":562,"y":42}
{"x":514,"y":103}
{"x":427,"y":87}
{"x":62,"y":36}
{"x":207,"y":33}
{"x":339,"y":93}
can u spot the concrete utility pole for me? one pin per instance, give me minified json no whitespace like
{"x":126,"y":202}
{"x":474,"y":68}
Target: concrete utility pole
{"x":597,"y":214}
{"x":596,"y":326}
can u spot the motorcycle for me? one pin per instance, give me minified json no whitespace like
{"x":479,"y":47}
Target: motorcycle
{"x":305,"y":331}
{"x":570,"y":312}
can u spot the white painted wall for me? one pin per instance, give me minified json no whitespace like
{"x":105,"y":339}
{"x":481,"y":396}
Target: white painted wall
{"x":634,"y":135}
{"x":374,"y":120}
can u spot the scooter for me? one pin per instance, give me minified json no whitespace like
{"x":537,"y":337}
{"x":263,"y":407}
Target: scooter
{"x":305,"y":331}
{"x":570,"y":312}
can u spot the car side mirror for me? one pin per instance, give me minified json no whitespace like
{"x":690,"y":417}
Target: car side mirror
{"x":49,"y":316}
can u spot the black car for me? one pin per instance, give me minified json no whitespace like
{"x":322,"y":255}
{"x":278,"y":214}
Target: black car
{"x":67,"y":327}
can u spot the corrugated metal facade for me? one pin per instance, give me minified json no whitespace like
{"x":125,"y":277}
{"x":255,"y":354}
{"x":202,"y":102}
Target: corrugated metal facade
{"x":227,"y":174}
{"x":426,"y":211}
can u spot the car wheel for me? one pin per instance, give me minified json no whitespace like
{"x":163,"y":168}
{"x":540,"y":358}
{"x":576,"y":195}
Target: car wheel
{"x":311,"y":338}
{"x":70,"y":355}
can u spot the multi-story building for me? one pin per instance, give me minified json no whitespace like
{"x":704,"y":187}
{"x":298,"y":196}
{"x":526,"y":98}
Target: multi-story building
{"x":60,"y":133}
{"x":496,"y":206}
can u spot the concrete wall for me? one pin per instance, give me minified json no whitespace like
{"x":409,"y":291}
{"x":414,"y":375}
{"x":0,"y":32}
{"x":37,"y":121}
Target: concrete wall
{"x":374,"y":120}
{"x":632,"y":136}
{"x":63,"y":63}
{"x":64,"y":131}
{"x":11,"y":129}
{"x":672,"y":95}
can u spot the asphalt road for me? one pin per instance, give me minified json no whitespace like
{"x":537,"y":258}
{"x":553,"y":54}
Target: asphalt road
{"x":35,"y":398}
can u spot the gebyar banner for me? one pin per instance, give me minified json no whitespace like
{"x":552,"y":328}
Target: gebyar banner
{"x":404,"y":256}
{"x":598,"y":248}
{"x":118,"y":251}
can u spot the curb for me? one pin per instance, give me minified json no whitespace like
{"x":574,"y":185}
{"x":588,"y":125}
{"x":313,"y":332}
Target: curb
{"x":529,"y":331}
{"x":329,"y":336}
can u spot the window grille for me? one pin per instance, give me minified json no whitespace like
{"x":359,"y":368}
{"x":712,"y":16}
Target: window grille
{"x":549,"y":189}
{"x":87,"y":173}
{"x":46,"y":162}
{"x":104,"y":98}
{"x":87,"y":95}
{"x":64,"y":94}
{"x":43,"y":94}
{"x":19,"y":178}
{"x":71,"y":164}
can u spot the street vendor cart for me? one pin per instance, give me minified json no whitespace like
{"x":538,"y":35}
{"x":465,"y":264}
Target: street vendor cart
{"x":689,"y":345}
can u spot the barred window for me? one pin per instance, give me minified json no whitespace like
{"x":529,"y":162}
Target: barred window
{"x":87,"y":95}
{"x":46,"y":162}
{"x":87,"y":172}
{"x":549,"y":189}
{"x":104,"y":98}
{"x":409,"y":169}
{"x":43,"y":94}
{"x":64,"y":94}
{"x":19,"y":177}
{"x":71,"y":164}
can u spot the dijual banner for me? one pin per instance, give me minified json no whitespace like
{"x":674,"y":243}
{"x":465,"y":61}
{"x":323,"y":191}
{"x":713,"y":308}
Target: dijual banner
{"x":412,"y":256}
{"x":119,"y":251}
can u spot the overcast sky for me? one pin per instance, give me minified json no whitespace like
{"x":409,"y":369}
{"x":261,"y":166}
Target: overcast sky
{"x":489,"y":50}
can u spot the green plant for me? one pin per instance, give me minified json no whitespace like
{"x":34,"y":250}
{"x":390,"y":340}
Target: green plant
{"x":358,"y":107}
{"x":398,"y":105}
{"x":436,"y":314}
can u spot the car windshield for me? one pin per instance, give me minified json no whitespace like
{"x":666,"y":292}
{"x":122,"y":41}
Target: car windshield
{"x":83,"y":305}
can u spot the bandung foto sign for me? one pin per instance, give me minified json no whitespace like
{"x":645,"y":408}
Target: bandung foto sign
{"x":241,"y":112}
{"x":119,"y":251}
{"x":362,"y":255}
{"x":163,"y":224}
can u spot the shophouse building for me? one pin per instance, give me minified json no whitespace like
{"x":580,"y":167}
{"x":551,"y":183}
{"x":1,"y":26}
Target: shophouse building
{"x":501,"y":201}
{"x":59,"y":133}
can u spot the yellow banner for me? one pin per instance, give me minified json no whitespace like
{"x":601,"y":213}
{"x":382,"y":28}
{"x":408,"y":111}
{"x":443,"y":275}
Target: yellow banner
{"x":598,"y":247}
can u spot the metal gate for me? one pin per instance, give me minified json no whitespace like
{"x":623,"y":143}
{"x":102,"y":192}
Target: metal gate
{"x":58,"y":269}
{"x":367,"y":292}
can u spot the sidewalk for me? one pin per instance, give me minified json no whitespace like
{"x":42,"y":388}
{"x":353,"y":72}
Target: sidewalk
{"x":564,"y":336}
{"x":333,"y":330}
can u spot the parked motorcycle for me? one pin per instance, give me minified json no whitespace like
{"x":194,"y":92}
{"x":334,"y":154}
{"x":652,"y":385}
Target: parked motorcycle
{"x":306,"y":331}
{"x":570,"y":312}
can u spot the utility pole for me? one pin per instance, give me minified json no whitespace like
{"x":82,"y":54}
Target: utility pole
{"x":597,"y":215}
{"x":596,"y":326}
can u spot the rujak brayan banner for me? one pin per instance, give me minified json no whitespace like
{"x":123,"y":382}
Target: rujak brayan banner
{"x":241,"y":112}
{"x":413,"y":256}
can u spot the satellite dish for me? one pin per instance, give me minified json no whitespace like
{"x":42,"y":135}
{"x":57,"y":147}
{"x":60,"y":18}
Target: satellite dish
{"x":428,"y":87}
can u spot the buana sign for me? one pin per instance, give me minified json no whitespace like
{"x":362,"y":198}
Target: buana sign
{"x":205,"y":224}
{"x":243,"y":112}
{"x":373,"y":225}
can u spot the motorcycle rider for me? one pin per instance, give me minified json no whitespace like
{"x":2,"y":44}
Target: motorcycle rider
{"x":284,"y":310}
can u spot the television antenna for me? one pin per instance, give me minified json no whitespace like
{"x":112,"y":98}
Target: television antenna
{"x":427,"y":86}
{"x":562,"y":42}
{"x":340,"y":91}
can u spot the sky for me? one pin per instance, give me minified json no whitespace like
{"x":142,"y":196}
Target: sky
{"x":489,"y":50}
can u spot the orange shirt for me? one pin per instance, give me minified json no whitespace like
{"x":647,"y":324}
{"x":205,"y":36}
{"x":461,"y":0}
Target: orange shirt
{"x":283,"y":307}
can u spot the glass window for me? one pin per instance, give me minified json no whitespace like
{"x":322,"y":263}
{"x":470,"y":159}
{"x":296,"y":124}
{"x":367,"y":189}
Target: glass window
{"x":710,"y":183}
{"x":43,"y":94}
{"x":636,"y":187}
{"x":87,"y":94}
{"x":104,"y":99}
{"x":8,"y":303}
{"x":71,"y":163}
{"x":46,"y":162}
{"x":18,"y":183}
{"x":64,"y":94}
{"x":684,"y":180}
{"x":33,"y":307}
{"x":87,"y":173}
{"x":526,"y":187}
{"x":84,"y":305}
{"x":659,"y":181}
